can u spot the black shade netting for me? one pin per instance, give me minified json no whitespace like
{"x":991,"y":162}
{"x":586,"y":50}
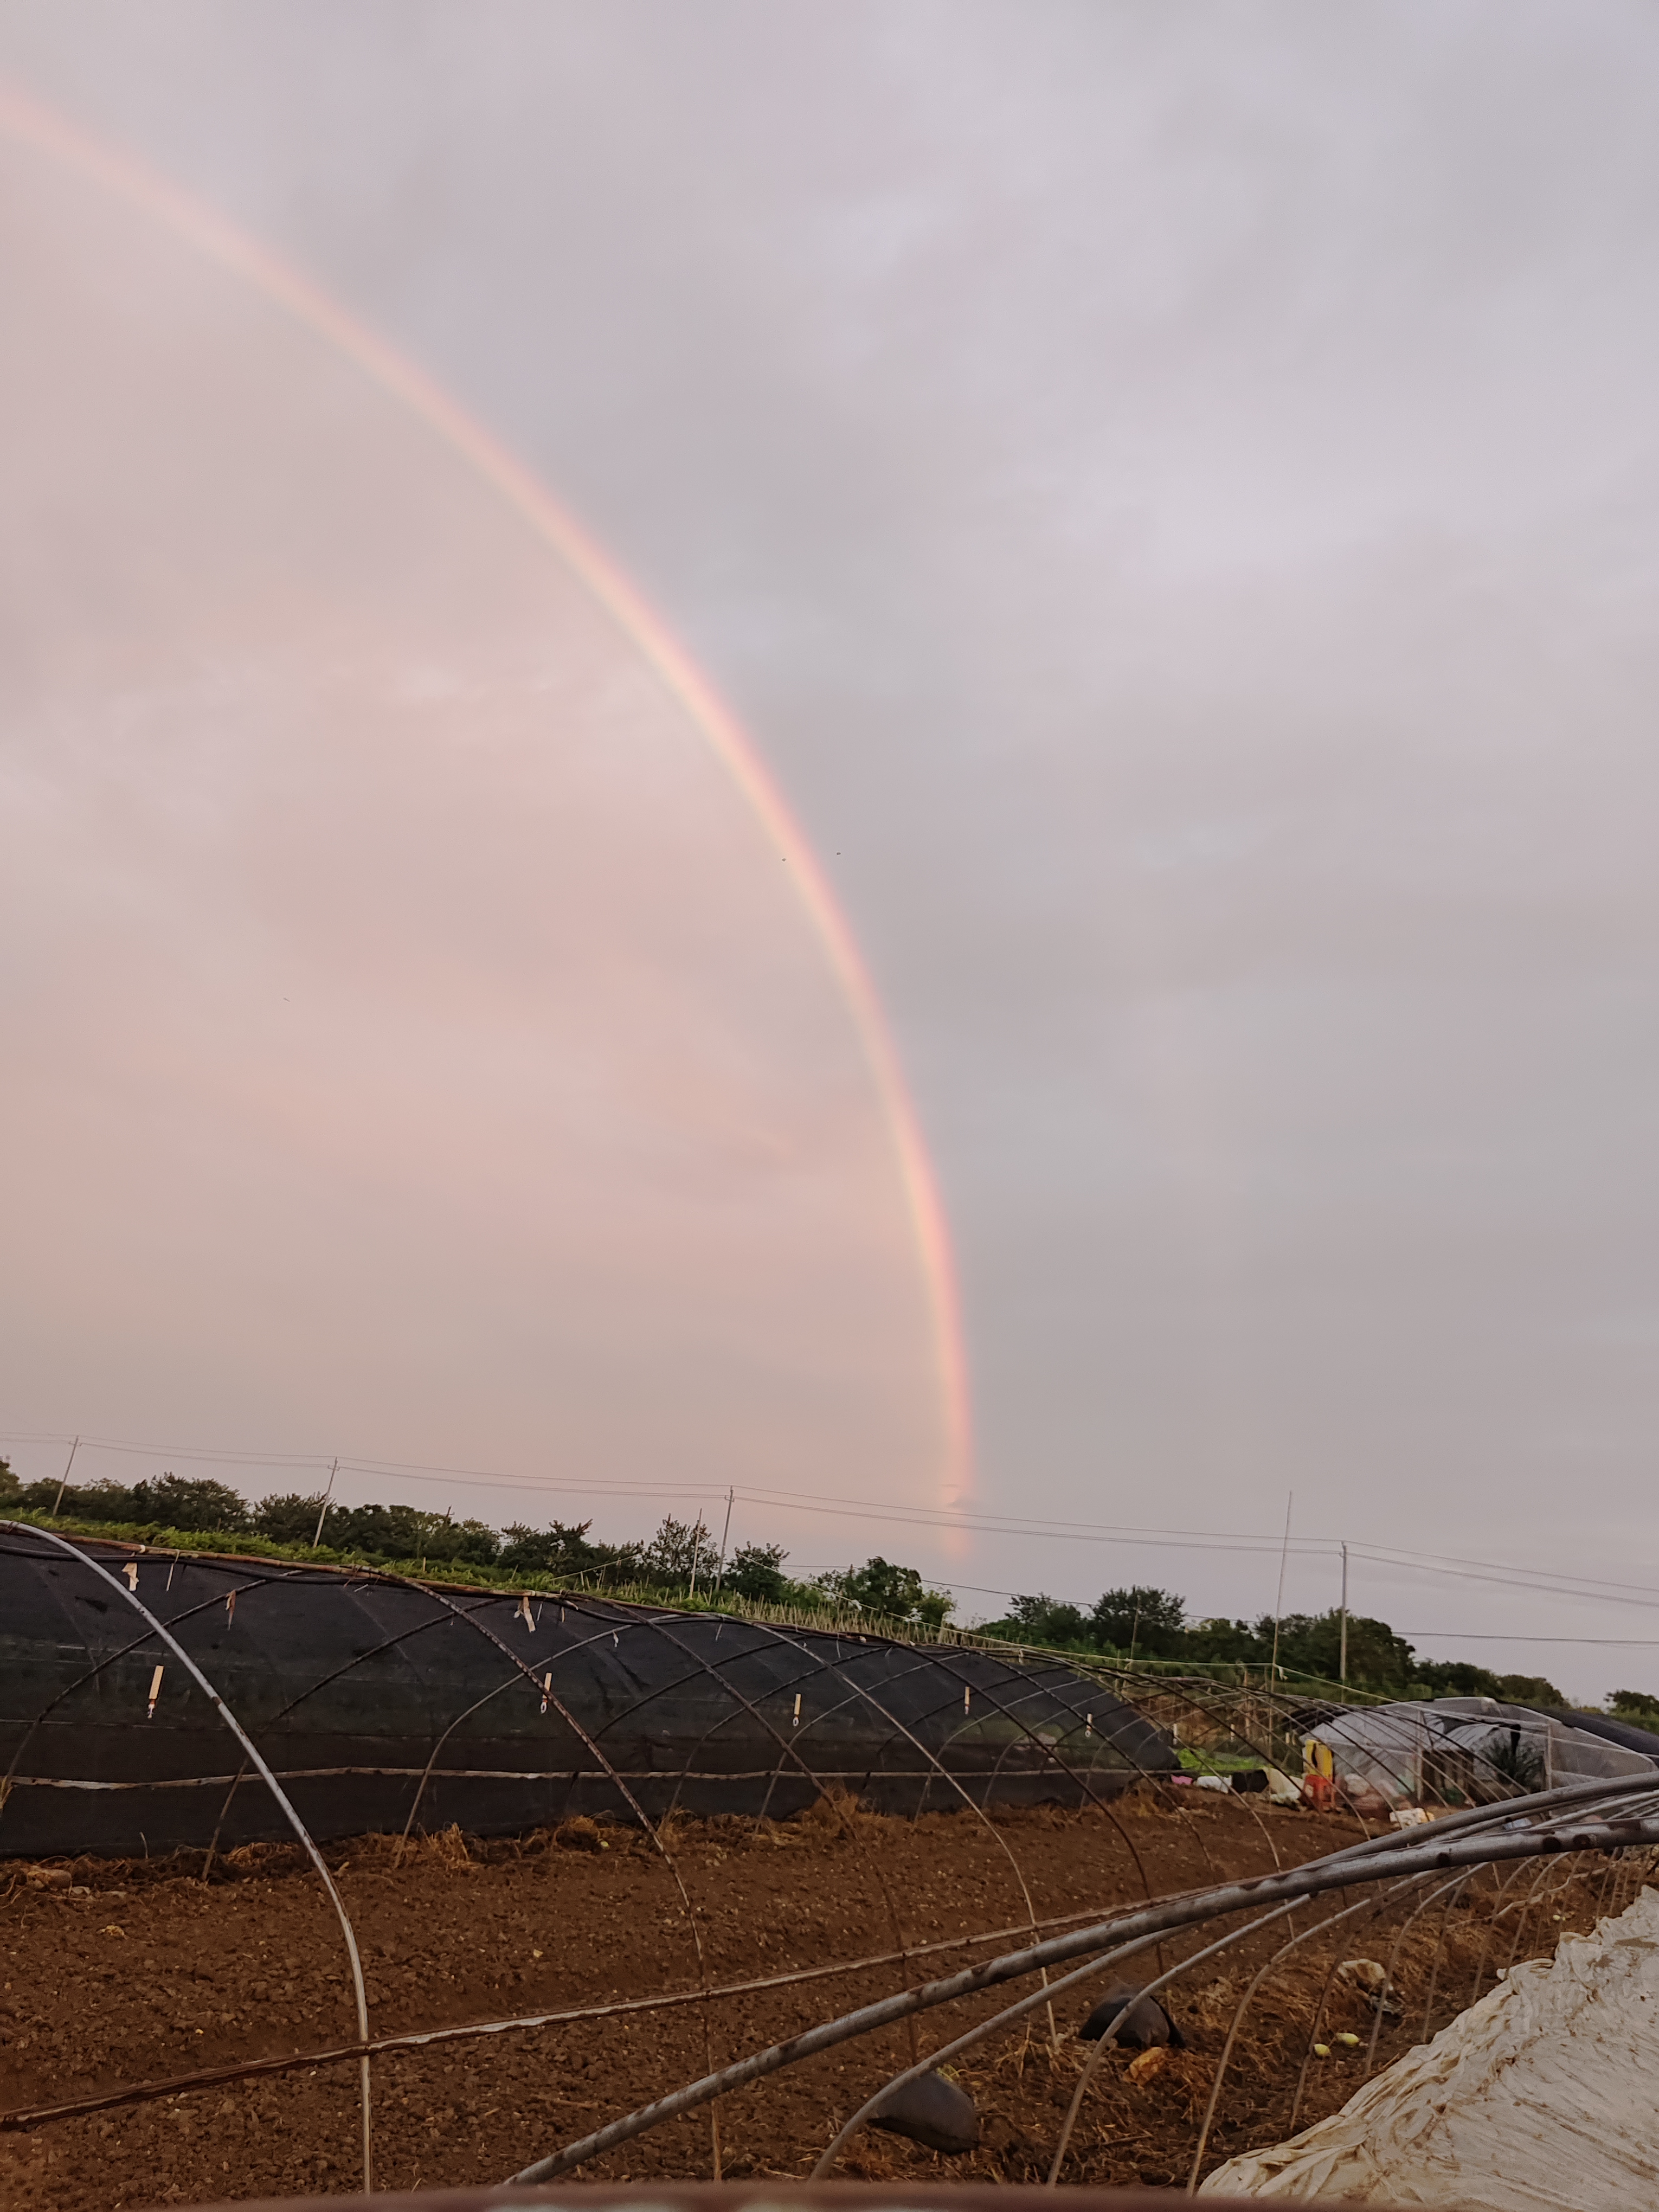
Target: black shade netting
{"x":381,"y":1703}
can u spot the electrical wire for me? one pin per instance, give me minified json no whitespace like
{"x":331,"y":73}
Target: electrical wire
{"x":1537,"y":1581}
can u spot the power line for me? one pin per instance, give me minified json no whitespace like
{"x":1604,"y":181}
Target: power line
{"x":1538,"y":1582}
{"x":1609,"y":1593}
{"x":1520,"y":1636}
{"x":883,"y":1509}
{"x":173,"y":1451}
{"x":1395,"y":1554}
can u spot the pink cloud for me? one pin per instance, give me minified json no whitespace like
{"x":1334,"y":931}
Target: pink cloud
{"x":417,"y":1044}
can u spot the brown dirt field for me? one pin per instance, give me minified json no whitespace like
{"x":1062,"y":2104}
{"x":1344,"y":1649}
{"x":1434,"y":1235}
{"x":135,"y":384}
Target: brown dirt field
{"x":154,"y":1972}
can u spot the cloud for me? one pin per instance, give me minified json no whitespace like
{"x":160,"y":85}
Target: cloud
{"x":415,"y":1043}
{"x":1177,"y":496}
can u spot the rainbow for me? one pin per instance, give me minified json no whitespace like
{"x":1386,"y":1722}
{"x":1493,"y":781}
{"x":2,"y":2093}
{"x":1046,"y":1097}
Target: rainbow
{"x":28,"y":120}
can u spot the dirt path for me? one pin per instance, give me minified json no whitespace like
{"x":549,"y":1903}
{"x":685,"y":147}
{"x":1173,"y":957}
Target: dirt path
{"x":153,"y":1972}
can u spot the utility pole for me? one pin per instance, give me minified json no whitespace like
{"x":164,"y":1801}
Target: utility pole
{"x":719,"y":1578}
{"x":1342,"y":1653}
{"x":1279,"y":1603}
{"x":63,"y":1485}
{"x":323,"y":1516}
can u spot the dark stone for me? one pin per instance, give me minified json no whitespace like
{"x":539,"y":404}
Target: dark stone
{"x":1145,"y":2023}
{"x":932,"y":2110}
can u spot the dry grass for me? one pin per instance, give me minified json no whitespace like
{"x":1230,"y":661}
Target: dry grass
{"x":837,"y":1813}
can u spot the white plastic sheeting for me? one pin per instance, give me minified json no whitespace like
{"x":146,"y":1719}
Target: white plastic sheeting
{"x":1453,"y":1748}
{"x":1543,"y":2094}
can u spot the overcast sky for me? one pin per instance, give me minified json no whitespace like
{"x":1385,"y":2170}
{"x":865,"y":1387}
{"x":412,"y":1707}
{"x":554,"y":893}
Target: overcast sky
{"x":1174,"y":497}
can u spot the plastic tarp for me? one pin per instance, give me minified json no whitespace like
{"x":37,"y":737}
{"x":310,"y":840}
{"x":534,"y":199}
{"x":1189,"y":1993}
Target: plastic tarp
{"x":1451,"y":1749}
{"x":1543,"y":2094}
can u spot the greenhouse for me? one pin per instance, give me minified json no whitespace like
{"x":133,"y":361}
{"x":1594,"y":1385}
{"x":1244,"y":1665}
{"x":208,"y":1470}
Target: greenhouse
{"x":387,"y":1704}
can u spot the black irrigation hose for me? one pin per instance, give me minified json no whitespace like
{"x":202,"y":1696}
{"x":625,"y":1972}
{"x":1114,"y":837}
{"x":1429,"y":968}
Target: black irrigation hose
{"x":1340,"y":1871}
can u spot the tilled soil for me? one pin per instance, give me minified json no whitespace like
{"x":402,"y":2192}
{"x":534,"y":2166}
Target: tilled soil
{"x":153,"y":1972}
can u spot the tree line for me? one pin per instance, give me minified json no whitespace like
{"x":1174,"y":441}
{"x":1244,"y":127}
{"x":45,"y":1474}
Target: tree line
{"x":683,"y":1558}
{"x":1143,"y":1623}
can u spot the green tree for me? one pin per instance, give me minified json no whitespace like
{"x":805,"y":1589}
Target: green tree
{"x":1457,"y":1678}
{"x":1050,"y":1621}
{"x":678,"y":1550}
{"x":474,"y":1541}
{"x":384,"y":1532}
{"x":1219,"y":1638}
{"x":172,"y":1501}
{"x":1311,"y":1644}
{"x":378,"y":1531}
{"x":287,"y":1517}
{"x":1638,"y":1707}
{"x":755,"y":1572}
{"x":98,"y":1501}
{"x":195,"y":1501}
{"x":561,"y":1548}
{"x":894,"y":1592}
{"x":1150,"y":1622}
{"x":1529,"y":1690}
